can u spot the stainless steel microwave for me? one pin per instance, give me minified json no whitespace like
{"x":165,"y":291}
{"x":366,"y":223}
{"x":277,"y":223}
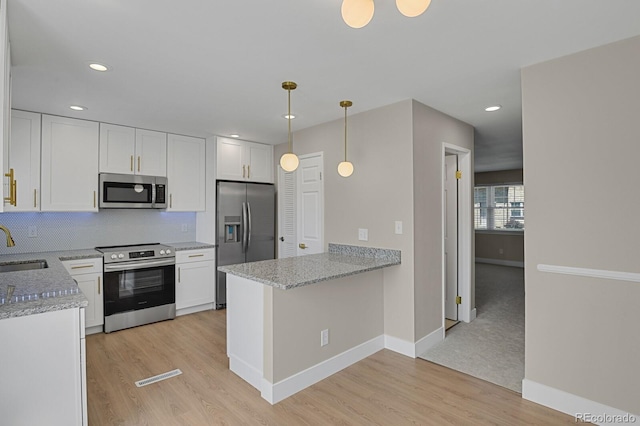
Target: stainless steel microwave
{"x":119,"y":191}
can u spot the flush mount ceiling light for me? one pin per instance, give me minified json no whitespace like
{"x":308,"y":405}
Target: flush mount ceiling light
{"x":493,"y":108}
{"x":288,"y":116}
{"x":358,"y":13}
{"x":345,"y":168}
{"x":234,"y":135}
{"x":98,"y":67}
{"x":289,"y":161}
{"x":78,"y":107}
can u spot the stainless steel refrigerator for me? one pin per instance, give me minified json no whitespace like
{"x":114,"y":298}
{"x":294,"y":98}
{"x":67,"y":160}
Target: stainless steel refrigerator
{"x":245,"y":228}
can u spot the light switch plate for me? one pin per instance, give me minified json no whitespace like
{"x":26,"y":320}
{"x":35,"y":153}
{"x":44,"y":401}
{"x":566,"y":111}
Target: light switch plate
{"x":363,"y":234}
{"x":33,"y":231}
{"x":398,"y":227}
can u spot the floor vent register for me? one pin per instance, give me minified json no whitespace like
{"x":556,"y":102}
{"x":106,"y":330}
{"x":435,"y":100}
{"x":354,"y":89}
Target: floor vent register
{"x":158,"y":378}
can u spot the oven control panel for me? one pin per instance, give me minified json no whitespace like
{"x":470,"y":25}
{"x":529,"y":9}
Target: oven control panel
{"x":133,"y":253}
{"x":141,"y":254}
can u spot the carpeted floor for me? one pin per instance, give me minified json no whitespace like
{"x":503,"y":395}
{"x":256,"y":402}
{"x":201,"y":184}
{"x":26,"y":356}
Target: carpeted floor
{"x":492,"y":346}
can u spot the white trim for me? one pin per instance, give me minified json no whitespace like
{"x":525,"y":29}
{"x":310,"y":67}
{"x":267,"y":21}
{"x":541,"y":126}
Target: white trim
{"x":474,"y":314}
{"x":416,"y":349}
{"x":593,"y":273}
{"x":465,"y":230}
{"x":566,"y":402}
{"x":194,"y":309}
{"x":94,"y":330}
{"x":515,"y":263}
{"x":248,"y":373}
{"x":275,"y":393}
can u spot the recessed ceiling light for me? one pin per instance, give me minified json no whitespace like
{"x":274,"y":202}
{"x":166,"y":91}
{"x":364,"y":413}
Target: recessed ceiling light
{"x":289,"y":116}
{"x":493,"y":108}
{"x":78,"y":107}
{"x":98,"y":67}
{"x":235,"y":135}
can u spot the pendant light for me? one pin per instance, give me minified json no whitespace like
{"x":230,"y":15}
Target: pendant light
{"x":412,"y":8}
{"x":345,"y":168}
{"x":358,"y":13}
{"x":289,"y":161}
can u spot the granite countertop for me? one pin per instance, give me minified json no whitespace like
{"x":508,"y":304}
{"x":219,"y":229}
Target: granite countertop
{"x":42,"y":290}
{"x":192,"y":245}
{"x":340,"y":261}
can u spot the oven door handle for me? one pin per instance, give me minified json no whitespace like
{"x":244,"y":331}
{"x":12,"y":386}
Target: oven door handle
{"x":138,"y":265}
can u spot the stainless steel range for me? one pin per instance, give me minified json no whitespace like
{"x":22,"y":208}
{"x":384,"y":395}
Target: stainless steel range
{"x":139,"y":285}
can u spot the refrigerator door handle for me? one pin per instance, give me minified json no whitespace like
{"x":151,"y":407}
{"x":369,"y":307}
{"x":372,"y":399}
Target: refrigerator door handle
{"x":244,"y":227}
{"x":249,"y":225}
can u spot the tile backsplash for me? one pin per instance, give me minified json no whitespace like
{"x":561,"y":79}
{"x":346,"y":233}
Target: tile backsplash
{"x":71,"y":231}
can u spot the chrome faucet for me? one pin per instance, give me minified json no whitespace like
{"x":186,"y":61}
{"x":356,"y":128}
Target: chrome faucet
{"x":10,"y":242}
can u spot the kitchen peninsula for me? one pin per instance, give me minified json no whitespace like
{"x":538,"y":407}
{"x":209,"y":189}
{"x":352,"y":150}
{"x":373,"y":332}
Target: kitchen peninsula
{"x":295,"y":321}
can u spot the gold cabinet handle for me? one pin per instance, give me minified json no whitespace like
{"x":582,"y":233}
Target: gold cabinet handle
{"x":35,"y":198}
{"x":170,"y":200}
{"x":302,"y":246}
{"x":81,"y":266}
{"x":249,"y":172}
{"x":15,"y":192}
{"x":98,"y":285}
{"x":94,"y":199}
{"x":12,"y":188}
{"x":138,"y":163}
{"x":196,"y":255}
{"x":178,"y":274}
{"x":131,"y":163}
{"x":243,"y":167}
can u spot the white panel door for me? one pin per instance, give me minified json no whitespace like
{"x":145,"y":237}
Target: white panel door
{"x":451,"y":236}
{"x":24,"y":159}
{"x":186,"y":173}
{"x":195,"y":284}
{"x":151,"y":153}
{"x":310,"y":204}
{"x":117,"y":149}
{"x":287,"y":224}
{"x":69,"y":164}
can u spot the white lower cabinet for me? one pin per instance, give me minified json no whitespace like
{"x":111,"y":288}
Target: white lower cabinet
{"x":44,"y":374}
{"x":195,"y":280}
{"x":88,"y":275}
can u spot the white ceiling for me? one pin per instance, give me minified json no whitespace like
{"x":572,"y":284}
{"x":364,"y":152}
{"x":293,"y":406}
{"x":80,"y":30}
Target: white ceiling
{"x":205,"y":67}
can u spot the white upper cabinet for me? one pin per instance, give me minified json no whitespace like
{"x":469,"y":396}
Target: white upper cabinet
{"x":186,"y":173}
{"x":151,"y":153}
{"x":23,"y":154}
{"x":132,"y":151}
{"x":69,"y":179}
{"x":244,"y":161}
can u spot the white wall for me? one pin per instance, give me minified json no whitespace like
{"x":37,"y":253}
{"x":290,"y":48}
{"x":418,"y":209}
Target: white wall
{"x":581,"y":150}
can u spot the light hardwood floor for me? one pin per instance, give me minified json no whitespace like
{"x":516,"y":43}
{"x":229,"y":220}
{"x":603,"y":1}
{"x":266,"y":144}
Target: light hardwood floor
{"x":384,"y":389}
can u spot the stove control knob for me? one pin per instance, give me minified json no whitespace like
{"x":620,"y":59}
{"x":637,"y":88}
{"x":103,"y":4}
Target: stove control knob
{"x":114,"y":256}
{"x":168,"y":251}
{"x":161,"y":251}
{"x":121,"y":256}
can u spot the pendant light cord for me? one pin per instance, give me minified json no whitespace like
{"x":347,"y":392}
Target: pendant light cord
{"x":345,"y":133}
{"x":289,"y":119}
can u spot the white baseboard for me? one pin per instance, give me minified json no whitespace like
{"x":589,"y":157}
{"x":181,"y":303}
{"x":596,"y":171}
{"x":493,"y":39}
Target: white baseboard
{"x":194,"y":309}
{"x":474,"y":314}
{"x":246,"y":372}
{"x":275,"y":393}
{"x":416,"y":349}
{"x":515,"y":263}
{"x":574,"y":405}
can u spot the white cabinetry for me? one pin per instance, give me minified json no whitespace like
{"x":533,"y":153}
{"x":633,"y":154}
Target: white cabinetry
{"x":132,"y":151}
{"x":186,"y":173}
{"x":69,"y":180}
{"x":5,"y":97}
{"x":195,"y":280}
{"x":88,"y":274}
{"x":44,"y":375}
{"x":244,"y":161}
{"x":23,"y":153}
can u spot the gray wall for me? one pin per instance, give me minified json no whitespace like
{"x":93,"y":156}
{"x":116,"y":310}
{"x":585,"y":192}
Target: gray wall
{"x":500,"y":247}
{"x":581,"y":150}
{"x":387,"y":146}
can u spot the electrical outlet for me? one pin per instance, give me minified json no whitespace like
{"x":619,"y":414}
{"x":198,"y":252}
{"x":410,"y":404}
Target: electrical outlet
{"x":500,"y":251}
{"x":363,"y":234}
{"x":33,"y":231}
{"x":185,"y":227}
{"x":398,"y":227}
{"x":324,"y":337}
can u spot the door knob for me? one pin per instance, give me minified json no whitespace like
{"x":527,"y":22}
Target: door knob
{"x":281,"y":238}
{"x":302,"y":245}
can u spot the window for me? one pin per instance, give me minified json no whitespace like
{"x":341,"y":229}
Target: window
{"x":499,"y":207}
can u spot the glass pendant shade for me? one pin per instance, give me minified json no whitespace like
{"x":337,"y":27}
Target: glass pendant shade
{"x":357,"y":13}
{"x":289,"y":162}
{"x":412,"y":8}
{"x":345,"y":169}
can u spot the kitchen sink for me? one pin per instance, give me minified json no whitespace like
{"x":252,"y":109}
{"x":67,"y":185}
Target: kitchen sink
{"x":23,"y":266}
